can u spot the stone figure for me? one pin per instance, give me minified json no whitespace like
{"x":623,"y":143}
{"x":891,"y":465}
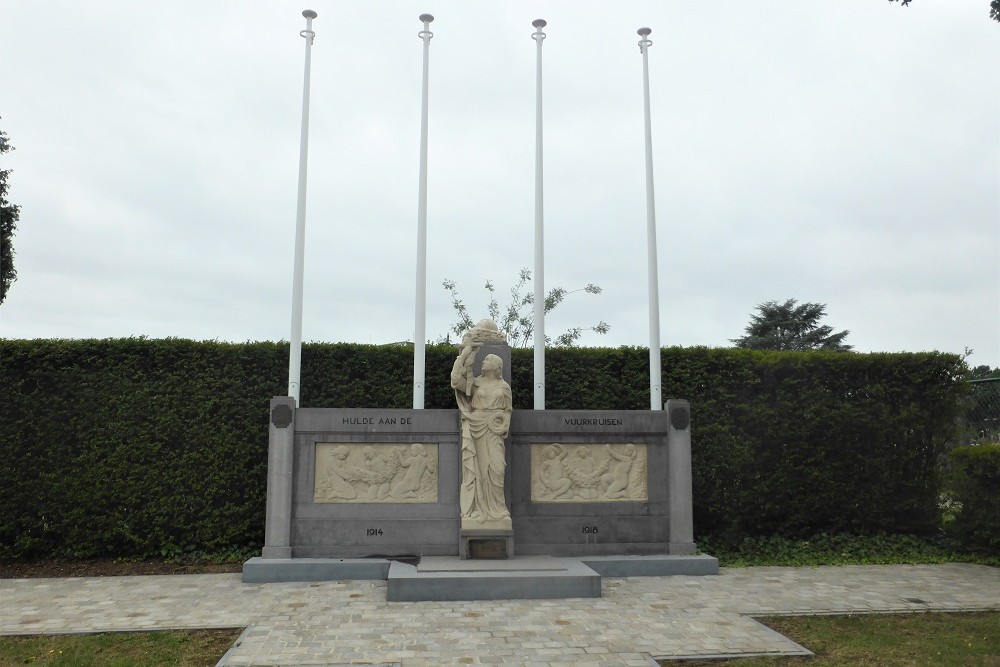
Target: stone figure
{"x":551,"y":475}
{"x":387,"y":473}
{"x":333,"y":485}
{"x":616,"y":482}
{"x":416,"y":465}
{"x":485,"y":404}
{"x":378,"y":472}
{"x":588,"y":472}
{"x":585,"y":474}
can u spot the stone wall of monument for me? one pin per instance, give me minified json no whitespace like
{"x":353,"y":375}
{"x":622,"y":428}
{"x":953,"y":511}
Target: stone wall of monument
{"x":368,"y":482}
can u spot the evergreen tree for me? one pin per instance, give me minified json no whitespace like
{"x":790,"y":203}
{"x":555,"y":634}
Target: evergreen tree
{"x":787,"y":326}
{"x":9,"y":214}
{"x":994,"y":8}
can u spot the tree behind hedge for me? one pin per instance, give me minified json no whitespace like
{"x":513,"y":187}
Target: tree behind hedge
{"x":144,"y":448}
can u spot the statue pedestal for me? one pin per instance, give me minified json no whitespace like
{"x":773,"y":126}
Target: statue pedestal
{"x":486,"y":544}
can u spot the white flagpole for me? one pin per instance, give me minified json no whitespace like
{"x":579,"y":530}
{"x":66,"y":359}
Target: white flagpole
{"x":419,"y":332}
{"x":295,"y":352}
{"x":539,"y":322}
{"x":655,"y":398}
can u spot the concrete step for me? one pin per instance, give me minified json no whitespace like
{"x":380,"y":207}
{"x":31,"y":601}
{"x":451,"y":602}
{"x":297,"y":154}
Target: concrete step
{"x":652,"y":566}
{"x":519,"y":578}
{"x":269,"y":570}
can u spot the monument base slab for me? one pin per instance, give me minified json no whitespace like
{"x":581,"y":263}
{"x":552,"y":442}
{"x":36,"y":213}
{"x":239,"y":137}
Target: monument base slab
{"x":447,"y":578}
{"x":652,"y":566}
{"x":272,"y":570}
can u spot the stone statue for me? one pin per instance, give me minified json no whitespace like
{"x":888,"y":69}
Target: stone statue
{"x":485,"y":405}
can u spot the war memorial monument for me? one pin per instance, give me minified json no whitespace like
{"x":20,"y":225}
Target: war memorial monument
{"x":482,"y":501}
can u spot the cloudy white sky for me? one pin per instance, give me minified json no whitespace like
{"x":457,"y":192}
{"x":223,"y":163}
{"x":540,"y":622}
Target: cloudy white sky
{"x":839,"y":151}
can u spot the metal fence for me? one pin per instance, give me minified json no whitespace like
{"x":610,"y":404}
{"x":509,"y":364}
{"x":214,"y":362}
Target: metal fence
{"x":981,"y":419}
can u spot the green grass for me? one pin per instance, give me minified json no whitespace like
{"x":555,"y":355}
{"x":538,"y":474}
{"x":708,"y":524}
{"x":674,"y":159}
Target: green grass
{"x":885,"y":640}
{"x":181,"y":648}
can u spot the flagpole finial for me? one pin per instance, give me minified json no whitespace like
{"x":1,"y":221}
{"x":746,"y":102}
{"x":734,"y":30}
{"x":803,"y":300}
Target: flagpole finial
{"x":308,"y":33}
{"x":538,"y":35}
{"x":645,"y":42}
{"x":426,"y":34}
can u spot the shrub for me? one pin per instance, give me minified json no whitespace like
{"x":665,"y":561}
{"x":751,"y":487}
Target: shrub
{"x":976,"y":472}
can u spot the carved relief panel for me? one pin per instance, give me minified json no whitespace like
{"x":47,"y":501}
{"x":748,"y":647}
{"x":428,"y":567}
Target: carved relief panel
{"x":588,"y":473}
{"x":360,"y":473}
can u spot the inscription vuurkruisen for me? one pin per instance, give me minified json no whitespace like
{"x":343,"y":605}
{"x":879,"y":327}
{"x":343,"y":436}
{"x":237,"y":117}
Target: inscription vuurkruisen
{"x":593,"y":421}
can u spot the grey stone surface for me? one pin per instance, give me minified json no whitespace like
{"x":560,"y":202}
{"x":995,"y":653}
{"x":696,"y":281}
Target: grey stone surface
{"x":652,"y":566}
{"x":395,"y":533}
{"x":679,"y":485}
{"x":351,"y":622}
{"x":266,"y":570}
{"x":452,"y":564}
{"x":410,"y":583}
{"x":340,"y":530}
{"x":278,"y":510}
{"x":588,"y":425}
{"x":658,"y":526}
{"x":588,"y":528}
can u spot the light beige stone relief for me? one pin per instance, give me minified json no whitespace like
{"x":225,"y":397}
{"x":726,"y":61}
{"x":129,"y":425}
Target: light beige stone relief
{"x":588,"y":473}
{"x":360,"y":473}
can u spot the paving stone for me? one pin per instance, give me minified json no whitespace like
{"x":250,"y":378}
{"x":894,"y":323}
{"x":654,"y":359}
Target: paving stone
{"x":348,"y":622}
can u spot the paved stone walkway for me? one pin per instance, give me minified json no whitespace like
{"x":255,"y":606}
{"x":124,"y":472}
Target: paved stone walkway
{"x":350,"y":622}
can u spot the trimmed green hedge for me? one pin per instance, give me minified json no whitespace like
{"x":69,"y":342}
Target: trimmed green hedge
{"x":137,"y":448}
{"x":133,"y":447}
{"x":977,"y":488}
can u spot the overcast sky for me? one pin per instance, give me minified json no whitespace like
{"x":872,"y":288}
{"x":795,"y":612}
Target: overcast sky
{"x":837,"y":151}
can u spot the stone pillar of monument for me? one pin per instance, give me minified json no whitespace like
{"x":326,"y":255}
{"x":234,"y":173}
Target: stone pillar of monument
{"x":280,"y":466}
